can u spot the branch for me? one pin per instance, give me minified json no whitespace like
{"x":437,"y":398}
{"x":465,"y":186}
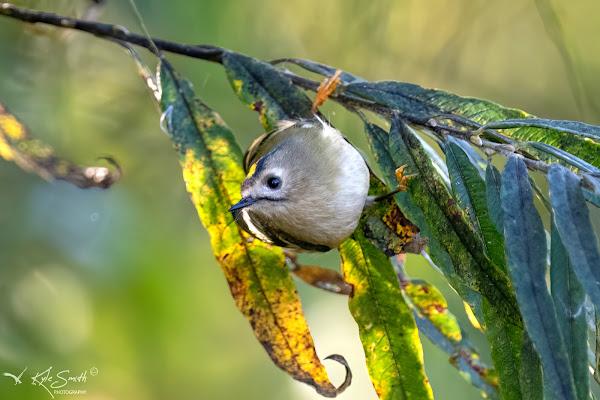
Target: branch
{"x":107,"y":31}
{"x":214,"y":54}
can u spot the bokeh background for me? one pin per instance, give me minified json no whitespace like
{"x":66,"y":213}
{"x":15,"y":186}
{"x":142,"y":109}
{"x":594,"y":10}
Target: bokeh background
{"x":124,"y":280}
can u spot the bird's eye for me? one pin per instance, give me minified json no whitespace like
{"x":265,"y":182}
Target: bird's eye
{"x":274,"y":182}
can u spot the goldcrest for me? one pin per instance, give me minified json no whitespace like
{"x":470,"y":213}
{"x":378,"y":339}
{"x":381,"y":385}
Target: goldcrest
{"x":306,"y":187}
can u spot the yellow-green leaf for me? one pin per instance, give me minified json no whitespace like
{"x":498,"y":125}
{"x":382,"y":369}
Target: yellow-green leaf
{"x":258,"y":277}
{"x":387,"y":329}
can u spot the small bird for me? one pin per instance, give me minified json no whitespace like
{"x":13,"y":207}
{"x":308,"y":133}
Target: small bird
{"x":306,"y":187}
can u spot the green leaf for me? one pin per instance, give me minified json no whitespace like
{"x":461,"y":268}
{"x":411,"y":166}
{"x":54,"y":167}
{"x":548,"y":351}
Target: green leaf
{"x":417,"y":104}
{"x":259,"y":280}
{"x":530,"y":375}
{"x":470,"y":190}
{"x":575,"y":228}
{"x":552,"y":154}
{"x":493,"y":184}
{"x":420,"y":103}
{"x":572,"y":127}
{"x":379,"y":143}
{"x":453,"y":243}
{"x":475,"y":158}
{"x":435,"y":321}
{"x":569,"y":301}
{"x":266,"y":90}
{"x":32,"y":155}
{"x":449,"y":224}
{"x":385,"y":322}
{"x":526,"y":255}
{"x":505,"y":341}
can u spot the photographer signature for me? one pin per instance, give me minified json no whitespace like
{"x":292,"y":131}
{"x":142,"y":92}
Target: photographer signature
{"x":55,"y":382}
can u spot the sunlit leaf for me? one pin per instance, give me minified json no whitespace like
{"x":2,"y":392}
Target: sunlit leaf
{"x":572,"y":127}
{"x":475,"y":158}
{"x":436,"y":322}
{"x":418,"y":104}
{"x":575,"y":228}
{"x":551,"y":154}
{"x":386,"y":325}
{"x":265,"y":90}
{"x":18,"y":145}
{"x":569,"y":302}
{"x":526,"y":256}
{"x":257,"y":275}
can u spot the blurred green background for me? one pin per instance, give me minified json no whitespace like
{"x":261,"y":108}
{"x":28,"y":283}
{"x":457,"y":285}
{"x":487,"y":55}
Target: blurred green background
{"x":124,"y":280}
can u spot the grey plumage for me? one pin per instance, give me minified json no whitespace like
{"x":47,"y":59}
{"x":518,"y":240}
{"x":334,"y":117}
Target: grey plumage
{"x":306,"y":188}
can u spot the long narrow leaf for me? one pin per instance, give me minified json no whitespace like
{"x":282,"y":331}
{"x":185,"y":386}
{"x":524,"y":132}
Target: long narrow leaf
{"x":532,"y":387}
{"x":569,"y":301}
{"x":471,"y":192}
{"x":257,"y":275}
{"x":265,"y":90}
{"x":493,"y":184}
{"x":573,"y":223}
{"x":572,"y":127}
{"x":417,"y":103}
{"x":378,"y":140}
{"x":386,"y":325}
{"x":448,"y":223}
{"x":435,"y":321}
{"x":526,"y":255}
{"x":505,"y":340}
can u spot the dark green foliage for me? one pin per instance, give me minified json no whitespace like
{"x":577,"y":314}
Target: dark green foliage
{"x":575,"y":228}
{"x":526,"y":256}
{"x":569,"y":301}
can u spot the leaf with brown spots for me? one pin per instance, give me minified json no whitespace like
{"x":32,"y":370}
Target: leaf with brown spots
{"x":258,"y":277}
{"x":387,"y":329}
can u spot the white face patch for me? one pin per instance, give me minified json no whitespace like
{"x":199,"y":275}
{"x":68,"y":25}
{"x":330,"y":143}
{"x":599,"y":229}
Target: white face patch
{"x":253,"y":227}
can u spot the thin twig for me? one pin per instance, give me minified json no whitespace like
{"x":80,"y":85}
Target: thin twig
{"x":204,"y":52}
{"x":215,"y":54}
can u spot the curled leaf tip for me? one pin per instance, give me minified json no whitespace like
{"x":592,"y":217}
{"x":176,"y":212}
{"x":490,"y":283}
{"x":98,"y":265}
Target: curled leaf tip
{"x":347,"y":379}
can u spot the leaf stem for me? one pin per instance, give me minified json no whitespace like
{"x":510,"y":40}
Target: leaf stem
{"x":107,"y":31}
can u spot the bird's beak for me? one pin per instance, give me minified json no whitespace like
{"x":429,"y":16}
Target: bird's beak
{"x":244,"y":202}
